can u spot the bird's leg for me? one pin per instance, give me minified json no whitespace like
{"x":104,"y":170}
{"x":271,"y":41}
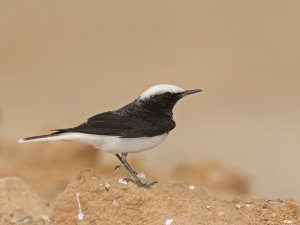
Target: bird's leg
{"x":124,"y":158}
{"x":135,"y":179}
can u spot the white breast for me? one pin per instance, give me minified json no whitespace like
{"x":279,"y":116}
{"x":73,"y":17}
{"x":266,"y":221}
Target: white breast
{"x":114,"y":144}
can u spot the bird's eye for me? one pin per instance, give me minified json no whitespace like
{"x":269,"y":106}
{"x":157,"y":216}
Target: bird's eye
{"x":167,"y":94}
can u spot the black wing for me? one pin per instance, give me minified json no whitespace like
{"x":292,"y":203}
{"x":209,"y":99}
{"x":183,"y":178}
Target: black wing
{"x":125,"y":124}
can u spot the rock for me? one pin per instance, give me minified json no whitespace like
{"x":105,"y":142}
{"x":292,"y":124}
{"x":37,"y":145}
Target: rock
{"x":19,"y":203}
{"x":165,"y":200}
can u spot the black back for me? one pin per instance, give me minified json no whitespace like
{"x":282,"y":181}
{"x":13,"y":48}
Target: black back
{"x":141,"y":118}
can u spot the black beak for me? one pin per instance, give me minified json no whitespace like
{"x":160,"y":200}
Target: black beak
{"x":189,"y":92}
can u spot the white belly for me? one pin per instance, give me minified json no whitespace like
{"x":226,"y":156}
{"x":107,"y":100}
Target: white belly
{"x":114,"y":144}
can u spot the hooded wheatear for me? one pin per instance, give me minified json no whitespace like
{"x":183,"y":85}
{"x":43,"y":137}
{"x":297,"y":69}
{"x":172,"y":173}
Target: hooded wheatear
{"x":138,"y":126}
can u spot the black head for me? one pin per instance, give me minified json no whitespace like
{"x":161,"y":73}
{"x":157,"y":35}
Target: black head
{"x":162,"y":98}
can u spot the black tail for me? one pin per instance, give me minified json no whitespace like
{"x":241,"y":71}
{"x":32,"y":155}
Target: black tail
{"x":43,"y":137}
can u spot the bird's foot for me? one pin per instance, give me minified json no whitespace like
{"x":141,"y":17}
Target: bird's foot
{"x":139,"y":183}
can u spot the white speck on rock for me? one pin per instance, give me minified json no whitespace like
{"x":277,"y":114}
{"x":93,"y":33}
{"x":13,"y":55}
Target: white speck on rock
{"x":288,"y":221}
{"x":106,"y":186}
{"x":168,"y":221}
{"x":141,"y":175}
{"x":80,"y":214}
{"x":122,"y":181}
{"x":249,"y":205}
{"x":115,"y":203}
{"x":238,"y":206}
{"x":45,"y":218}
{"x":192,"y":187}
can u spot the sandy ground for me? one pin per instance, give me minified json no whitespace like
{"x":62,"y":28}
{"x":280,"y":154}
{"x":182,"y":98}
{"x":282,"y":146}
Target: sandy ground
{"x":105,"y":201}
{"x":20,"y":204}
{"x":96,"y":199}
{"x":199,"y":193}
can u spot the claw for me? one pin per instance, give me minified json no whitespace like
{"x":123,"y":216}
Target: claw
{"x":129,"y":180}
{"x":139,"y":183}
{"x":117,"y":167}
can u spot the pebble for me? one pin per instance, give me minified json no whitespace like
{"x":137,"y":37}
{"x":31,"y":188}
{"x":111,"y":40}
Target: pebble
{"x":45,"y":218}
{"x":191,"y":187}
{"x":287,"y":221}
{"x":122,"y":181}
{"x":249,"y":205}
{"x":115,"y":203}
{"x":106,"y":186}
{"x":80,"y":216}
{"x":238,"y":206}
{"x":141,"y":175}
{"x":168,"y":221}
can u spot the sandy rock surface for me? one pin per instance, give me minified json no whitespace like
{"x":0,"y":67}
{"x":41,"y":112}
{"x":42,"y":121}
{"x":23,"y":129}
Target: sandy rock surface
{"x":47,"y":167}
{"x":96,"y":199}
{"x":201,"y":193}
{"x":20,"y":204}
{"x":222,"y":182}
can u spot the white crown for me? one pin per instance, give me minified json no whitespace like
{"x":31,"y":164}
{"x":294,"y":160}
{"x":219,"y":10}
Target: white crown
{"x":160,"y":89}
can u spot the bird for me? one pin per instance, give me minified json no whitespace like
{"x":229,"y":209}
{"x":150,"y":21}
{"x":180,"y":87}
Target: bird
{"x":138,"y":126}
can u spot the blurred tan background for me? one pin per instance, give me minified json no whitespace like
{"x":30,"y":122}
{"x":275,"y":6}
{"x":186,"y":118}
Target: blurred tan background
{"x":62,"y":61}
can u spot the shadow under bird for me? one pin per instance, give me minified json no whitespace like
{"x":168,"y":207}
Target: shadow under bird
{"x":138,"y":126}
